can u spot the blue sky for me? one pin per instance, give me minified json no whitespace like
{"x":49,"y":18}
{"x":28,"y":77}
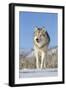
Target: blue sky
{"x":27,"y":23}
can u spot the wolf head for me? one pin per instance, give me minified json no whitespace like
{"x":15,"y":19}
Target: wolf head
{"x":41,"y":36}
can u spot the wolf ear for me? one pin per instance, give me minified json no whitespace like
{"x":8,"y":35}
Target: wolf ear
{"x":44,"y":29}
{"x":35,"y":28}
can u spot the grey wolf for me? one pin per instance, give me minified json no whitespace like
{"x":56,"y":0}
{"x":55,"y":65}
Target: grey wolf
{"x":41,"y":42}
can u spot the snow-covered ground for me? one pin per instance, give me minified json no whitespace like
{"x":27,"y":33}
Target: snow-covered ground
{"x":28,"y":73}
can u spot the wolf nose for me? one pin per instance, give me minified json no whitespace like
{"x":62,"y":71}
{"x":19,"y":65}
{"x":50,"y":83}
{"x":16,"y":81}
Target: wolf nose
{"x":37,"y":40}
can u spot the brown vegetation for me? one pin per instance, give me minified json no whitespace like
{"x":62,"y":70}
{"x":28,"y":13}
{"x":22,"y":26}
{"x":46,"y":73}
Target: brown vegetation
{"x":30,"y":62}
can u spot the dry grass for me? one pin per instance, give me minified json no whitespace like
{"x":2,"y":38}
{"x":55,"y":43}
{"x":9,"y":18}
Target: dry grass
{"x":30,"y":62}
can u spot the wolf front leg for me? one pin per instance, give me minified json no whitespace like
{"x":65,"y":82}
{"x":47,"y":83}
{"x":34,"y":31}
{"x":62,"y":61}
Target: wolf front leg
{"x":42,"y":60}
{"x":37,"y":60}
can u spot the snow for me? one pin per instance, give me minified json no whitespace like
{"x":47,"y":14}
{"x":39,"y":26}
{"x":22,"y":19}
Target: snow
{"x":28,"y":73}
